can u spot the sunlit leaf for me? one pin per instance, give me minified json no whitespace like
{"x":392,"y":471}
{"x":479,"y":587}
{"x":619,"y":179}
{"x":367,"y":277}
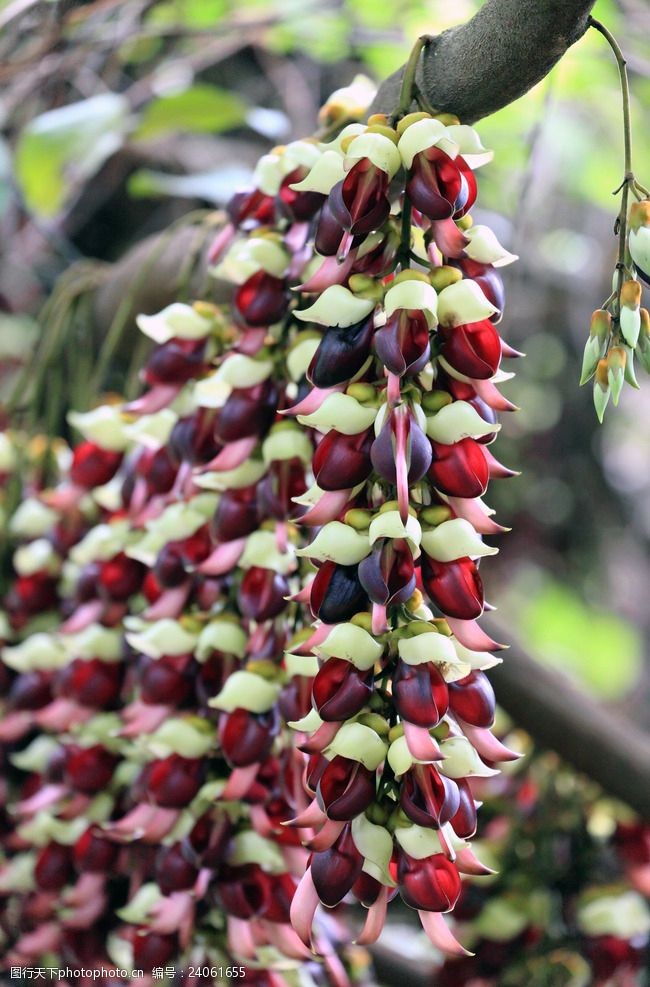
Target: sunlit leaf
{"x":200,"y":109}
{"x":61,"y":148}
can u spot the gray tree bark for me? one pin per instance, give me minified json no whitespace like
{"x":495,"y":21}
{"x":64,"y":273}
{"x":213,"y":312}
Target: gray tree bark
{"x":502,"y":52}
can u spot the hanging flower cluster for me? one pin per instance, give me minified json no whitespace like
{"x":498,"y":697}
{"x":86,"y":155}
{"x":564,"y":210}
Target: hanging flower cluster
{"x":149,"y":775}
{"x":194,"y":764}
{"x":620,"y":329}
{"x":403,"y":398}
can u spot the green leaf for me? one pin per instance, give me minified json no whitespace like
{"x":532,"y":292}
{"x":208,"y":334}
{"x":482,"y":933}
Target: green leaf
{"x":200,"y":109}
{"x":61,"y":148}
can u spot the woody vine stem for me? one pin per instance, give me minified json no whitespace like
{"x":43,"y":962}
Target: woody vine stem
{"x":629,"y":181}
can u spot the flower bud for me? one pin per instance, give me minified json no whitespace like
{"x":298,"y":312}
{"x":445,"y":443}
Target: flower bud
{"x":616,"y":361}
{"x":629,"y":315}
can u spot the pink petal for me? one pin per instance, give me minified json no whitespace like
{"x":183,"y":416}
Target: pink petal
{"x":170,"y":603}
{"x":313,"y":400}
{"x":472,"y":636}
{"x":489,"y":393}
{"x":224,"y":558}
{"x":61,"y":714}
{"x":420,"y":743}
{"x":486,"y":744}
{"x":438,"y":932}
{"x":222,"y":240}
{"x":14,"y":725}
{"x":375,"y":919}
{"x":286,"y":940}
{"x":303,"y":908}
{"x":160,"y":396}
{"x":321,"y":738}
{"x":240,"y":938}
{"x":231,"y":456}
{"x":497,"y":470}
{"x":142,"y":718}
{"x":470,"y":509}
{"x":330,"y":272}
{"x":329,"y":507}
{"x":87,"y":613}
{"x":327,"y":836}
{"x":312,"y":816}
{"x":239,"y":782}
{"x":467,"y":863}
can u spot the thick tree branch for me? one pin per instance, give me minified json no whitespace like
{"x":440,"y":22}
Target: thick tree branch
{"x":479,"y":67}
{"x":558,"y":715}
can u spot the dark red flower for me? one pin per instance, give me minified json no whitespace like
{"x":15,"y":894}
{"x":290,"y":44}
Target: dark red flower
{"x":93,"y":466}
{"x":341,"y":353}
{"x":472,"y":699}
{"x":262,"y":299}
{"x":402,"y":344}
{"x":427,"y":797}
{"x":345,"y":788}
{"x":473,"y":350}
{"x":432,"y":884}
{"x":420,"y":693}
{"x":440,"y":186}
{"x":246,"y":737}
{"x":262,"y":593}
{"x":89,"y":769}
{"x":459,"y":469}
{"x":455,"y":587}
{"x":335,"y":871}
{"x":340,"y":690}
{"x":341,"y":461}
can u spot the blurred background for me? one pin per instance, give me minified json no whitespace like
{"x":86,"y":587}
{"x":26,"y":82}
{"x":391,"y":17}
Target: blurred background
{"x":121,"y":118}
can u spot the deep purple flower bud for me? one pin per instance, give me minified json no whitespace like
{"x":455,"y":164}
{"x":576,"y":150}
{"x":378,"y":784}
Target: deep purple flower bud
{"x":284,"y":480}
{"x":243,"y":891}
{"x":334,"y":871}
{"x":388,"y":573}
{"x":53,"y":867}
{"x":402,"y":344}
{"x":432,"y":884}
{"x":192,"y":438}
{"x":440,"y":186}
{"x":174,"y":872}
{"x":262,"y":593}
{"x":420,"y":693}
{"x":236,"y":515}
{"x":262,"y":299}
{"x":472,"y":698}
{"x":175,"y":362}
{"x":464,"y":821}
{"x":247,"y":738}
{"x":345,"y":788}
{"x":360,"y":202}
{"x":248,"y":411}
{"x":296,"y":205}
{"x":90,"y":682}
{"x":340,"y":690}
{"x":342,"y":461}
{"x":427,"y":797}
{"x":341,"y":353}
{"x":417,"y":452}
{"x":337,"y":593}
{"x":251,"y":208}
{"x":329,"y":233}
